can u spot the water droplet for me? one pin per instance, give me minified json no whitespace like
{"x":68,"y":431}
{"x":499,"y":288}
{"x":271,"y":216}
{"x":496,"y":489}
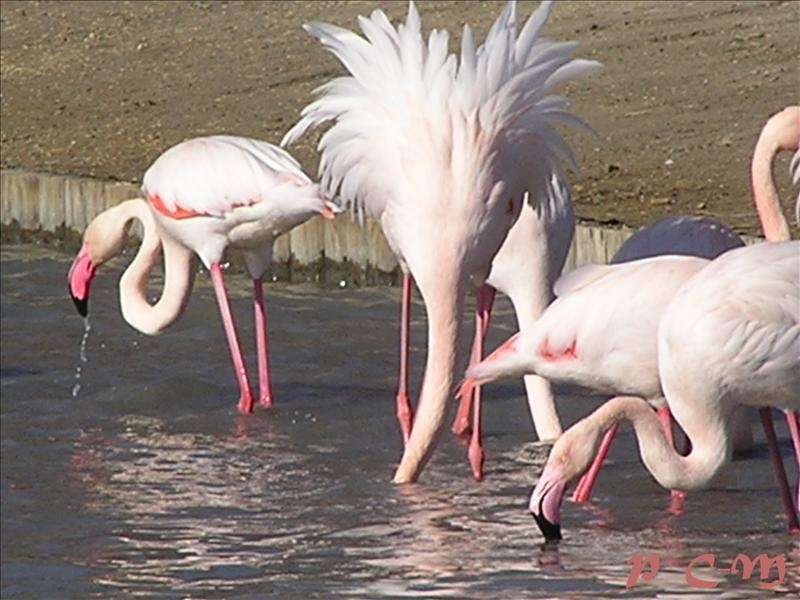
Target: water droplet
{"x":83,"y":358}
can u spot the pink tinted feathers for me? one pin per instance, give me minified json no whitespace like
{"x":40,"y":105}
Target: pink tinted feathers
{"x":214,"y":175}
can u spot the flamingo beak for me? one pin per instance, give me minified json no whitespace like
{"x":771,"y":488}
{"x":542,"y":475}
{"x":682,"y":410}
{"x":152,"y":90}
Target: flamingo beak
{"x":330,"y":210}
{"x":546,"y":499}
{"x":79,"y":279}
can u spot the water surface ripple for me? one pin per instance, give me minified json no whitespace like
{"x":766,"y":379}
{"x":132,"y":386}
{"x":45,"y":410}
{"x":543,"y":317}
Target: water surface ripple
{"x":148,"y":484}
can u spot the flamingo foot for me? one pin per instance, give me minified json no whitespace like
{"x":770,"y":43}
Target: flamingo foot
{"x":476,"y":458}
{"x":677,"y":499}
{"x":245,"y":406}
{"x":405,"y":416}
{"x":265,"y":399}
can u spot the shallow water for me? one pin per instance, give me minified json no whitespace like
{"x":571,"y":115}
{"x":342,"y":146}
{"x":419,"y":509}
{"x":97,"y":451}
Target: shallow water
{"x":147,"y":482}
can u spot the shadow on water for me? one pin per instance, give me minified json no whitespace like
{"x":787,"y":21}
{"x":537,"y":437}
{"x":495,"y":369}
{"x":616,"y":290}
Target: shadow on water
{"x":149,"y":484}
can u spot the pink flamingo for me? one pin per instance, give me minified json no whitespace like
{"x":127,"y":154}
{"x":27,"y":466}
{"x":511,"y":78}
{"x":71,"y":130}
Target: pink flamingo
{"x":433,"y":148}
{"x":631,"y":316}
{"x":202,"y":196}
{"x":730,"y":337}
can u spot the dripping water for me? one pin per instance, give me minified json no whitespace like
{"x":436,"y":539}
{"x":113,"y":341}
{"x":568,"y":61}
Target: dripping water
{"x":83,"y":360}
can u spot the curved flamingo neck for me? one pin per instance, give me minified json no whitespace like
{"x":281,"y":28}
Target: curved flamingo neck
{"x":444,"y":303}
{"x":710,"y":449}
{"x":782,"y":132}
{"x":179,"y":271}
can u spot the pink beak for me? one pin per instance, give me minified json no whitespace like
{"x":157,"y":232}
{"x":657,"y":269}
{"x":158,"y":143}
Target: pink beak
{"x":545,"y":503}
{"x":330,"y":210}
{"x":79,"y":279}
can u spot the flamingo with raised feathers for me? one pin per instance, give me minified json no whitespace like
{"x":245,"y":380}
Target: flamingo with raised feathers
{"x":441,"y":152}
{"x":201,"y":197}
{"x":730,"y":337}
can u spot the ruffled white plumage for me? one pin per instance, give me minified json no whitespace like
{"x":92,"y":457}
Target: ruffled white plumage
{"x":403,"y":98}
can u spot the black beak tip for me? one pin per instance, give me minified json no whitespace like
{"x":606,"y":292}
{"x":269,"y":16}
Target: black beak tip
{"x":550,"y":531}
{"x":82,"y":306}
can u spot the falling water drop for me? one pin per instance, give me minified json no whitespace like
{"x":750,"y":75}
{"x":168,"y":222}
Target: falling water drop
{"x":86,"y":329}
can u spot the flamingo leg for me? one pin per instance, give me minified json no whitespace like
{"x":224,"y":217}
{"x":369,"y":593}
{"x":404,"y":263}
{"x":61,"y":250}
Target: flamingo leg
{"x":794,"y":430}
{"x":666,"y":422}
{"x":246,"y":396}
{"x":405,"y":413}
{"x":483,"y":313}
{"x":264,"y":382}
{"x":583,"y":491}
{"x":461,"y":424}
{"x":780,"y":473}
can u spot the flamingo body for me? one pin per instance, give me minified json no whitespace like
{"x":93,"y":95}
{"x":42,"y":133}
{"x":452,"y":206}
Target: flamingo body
{"x":600,"y":332}
{"x":224,"y":191}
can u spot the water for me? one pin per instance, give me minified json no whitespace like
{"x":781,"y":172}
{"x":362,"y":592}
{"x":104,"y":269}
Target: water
{"x":148,"y":484}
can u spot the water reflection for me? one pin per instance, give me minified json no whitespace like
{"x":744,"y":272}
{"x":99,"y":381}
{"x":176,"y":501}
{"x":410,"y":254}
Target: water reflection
{"x":149,"y":484}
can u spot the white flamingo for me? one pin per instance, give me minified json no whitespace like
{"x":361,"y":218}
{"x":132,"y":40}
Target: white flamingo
{"x":730,"y":337}
{"x":202,"y":196}
{"x":441,"y":151}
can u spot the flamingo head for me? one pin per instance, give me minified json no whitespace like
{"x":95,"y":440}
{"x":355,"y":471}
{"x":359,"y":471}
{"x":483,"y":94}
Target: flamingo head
{"x":102,"y":240}
{"x":80,"y":278}
{"x":571,"y":456}
{"x":295,"y":201}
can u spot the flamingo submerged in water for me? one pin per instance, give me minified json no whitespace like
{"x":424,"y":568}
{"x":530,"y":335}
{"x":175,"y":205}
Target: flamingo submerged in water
{"x":441,"y":152}
{"x":202,"y":195}
{"x":730,"y":337}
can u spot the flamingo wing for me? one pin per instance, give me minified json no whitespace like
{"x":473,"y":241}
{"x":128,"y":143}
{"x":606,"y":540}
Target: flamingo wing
{"x":745,"y":305}
{"x":212,"y":176}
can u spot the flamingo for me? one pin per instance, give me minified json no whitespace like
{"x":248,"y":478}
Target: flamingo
{"x":202,"y":195}
{"x":630,"y":315}
{"x":525,"y":269}
{"x":781,"y":132}
{"x":441,"y":152}
{"x":729,"y":337}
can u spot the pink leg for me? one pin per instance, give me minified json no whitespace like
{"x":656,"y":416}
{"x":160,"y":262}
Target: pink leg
{"x":264,"y":382}
{"x":666,"y":423}
{"x":794,"y":431}
{"x":777,"y":463}
{"x":461,"y":424}
{"x":405,"y":414}
{"x":583,"y":491}
{"x":245,"y":396}
{"x":483,"y":313}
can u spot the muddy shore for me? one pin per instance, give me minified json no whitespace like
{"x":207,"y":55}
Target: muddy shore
{"x":102,"y":88}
